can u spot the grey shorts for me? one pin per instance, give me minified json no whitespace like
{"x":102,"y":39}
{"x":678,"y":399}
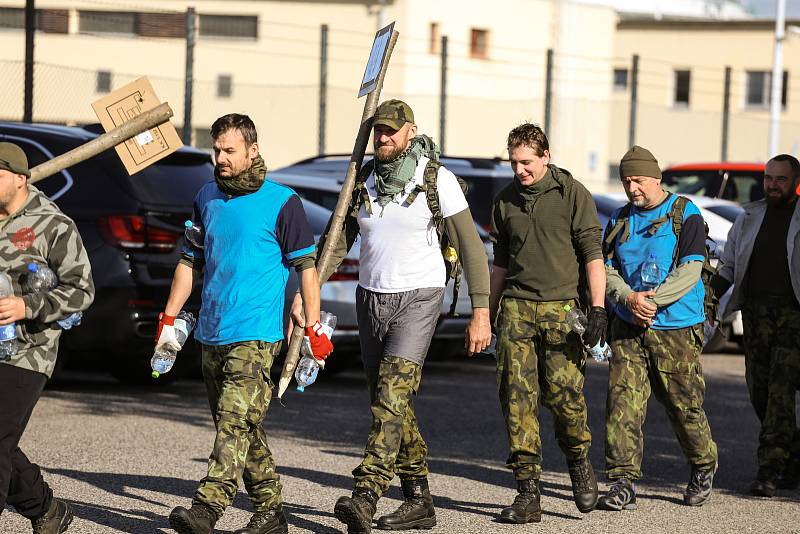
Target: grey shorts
{"x":397,"y":324}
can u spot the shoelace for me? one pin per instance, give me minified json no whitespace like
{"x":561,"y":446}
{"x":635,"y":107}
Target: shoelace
{"x":699,"y":479}
{"x":582,"y":475}
{"x":259,"y":520}
{"x":619,"y":490}
{"x":405,"y":507}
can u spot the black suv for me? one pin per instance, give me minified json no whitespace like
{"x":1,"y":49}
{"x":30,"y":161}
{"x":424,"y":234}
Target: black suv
{"x":132,"y":227}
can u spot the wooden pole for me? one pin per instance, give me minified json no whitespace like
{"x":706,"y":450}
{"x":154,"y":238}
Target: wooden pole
{"x":120,"y":134}
{"x":342,"y":205}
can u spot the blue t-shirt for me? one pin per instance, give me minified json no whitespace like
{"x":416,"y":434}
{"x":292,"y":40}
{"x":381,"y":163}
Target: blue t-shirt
{"x":629,"y":257}
{"x":249,"y":241}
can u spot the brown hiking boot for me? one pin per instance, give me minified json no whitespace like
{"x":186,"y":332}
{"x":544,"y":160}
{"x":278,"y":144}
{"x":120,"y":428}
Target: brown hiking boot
{"x":527,"y":507}
{"x":357,"y":511}
{"x":416,"y":511}
{"x":55,"y":520}
{"x":199,"y":519}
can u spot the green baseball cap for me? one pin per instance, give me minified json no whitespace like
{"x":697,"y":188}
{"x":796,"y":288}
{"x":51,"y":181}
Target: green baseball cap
{"x":394,"y":114}
{"x":13,"y":159}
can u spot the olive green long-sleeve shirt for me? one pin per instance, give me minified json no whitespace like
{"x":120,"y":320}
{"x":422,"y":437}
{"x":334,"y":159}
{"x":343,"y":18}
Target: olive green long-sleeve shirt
{"x":543,"y":240}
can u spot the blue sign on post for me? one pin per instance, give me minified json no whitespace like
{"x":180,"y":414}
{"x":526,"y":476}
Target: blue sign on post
{"x":376,"y":56}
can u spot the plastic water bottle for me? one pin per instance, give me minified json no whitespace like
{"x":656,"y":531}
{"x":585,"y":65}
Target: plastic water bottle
{"x":194,"y":234}
{"x":164,"y":357}
{"x":42,"y":278}
{"x":8,"y":333}
{"x":652,"y":273}
{"x":308,"y":368}
{"x":577,"y":321}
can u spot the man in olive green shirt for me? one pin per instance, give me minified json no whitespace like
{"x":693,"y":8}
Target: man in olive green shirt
{"x":546,"y":236}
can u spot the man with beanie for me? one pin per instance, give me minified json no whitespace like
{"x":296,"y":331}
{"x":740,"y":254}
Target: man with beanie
{"x":762,"y":261}
{"x":657,"y":334}
{"x":546,"y":240}
{"x":401,"y":284}
{"x":253,"y":230}
{"x":33,"y":230}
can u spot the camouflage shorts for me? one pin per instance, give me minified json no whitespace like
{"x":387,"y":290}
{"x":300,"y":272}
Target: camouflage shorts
{"x":668,"y":361}
{"x":538,"y":356}
{"x":239,"y":391}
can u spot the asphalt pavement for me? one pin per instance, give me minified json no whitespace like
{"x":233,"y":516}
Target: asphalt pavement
{"x":124,"y":456}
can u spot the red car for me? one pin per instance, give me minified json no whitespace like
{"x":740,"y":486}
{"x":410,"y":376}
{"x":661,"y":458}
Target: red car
{"x":739,"y":182}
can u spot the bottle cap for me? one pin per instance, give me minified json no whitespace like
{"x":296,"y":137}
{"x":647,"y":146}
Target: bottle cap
{"x":188,"y":224}
{"x":567,"y":307}
{"x":155,"y":374}
{"x":32,"y":267}
{"x":301,"y":389}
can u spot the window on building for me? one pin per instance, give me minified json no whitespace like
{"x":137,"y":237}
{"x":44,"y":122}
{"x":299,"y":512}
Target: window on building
{"x":759,"y":88}
{"x":169,"y":25}
{"x":241,"y":27}
{"x":479,"y":43}
{"x":620,"y":79}
{"x":682,"y":86}
{"x":103,"y":81}
{"x":435,"y":38}
{"x":12,"y":17}
{"x":224,"y":86}
{"x":202,"y":138}
{"x":107,"y":22}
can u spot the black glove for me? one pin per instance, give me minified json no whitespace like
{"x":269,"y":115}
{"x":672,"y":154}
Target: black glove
{"x":596,"y":323}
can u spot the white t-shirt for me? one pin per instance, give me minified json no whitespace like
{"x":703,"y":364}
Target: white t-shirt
{"x":400,"y":249}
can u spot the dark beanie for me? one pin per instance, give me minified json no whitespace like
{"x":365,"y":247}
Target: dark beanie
{"x":639,"y":161}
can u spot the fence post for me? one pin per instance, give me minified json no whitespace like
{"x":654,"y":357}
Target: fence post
{"x":443,"y":95}
{"x":30,"y":30}
{"x":548,"y":91}
{"x":634,"y":100}
{"x":188,"y":89}
{"x":323,"y":86}
{"x":726,"y":109}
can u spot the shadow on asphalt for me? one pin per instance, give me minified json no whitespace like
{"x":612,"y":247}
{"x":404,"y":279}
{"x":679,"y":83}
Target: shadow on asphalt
{"x":459,"y":417}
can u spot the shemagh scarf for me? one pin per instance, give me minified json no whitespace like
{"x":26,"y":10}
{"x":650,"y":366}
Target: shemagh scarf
{"x":247,"y":182}
{"x":391,"y":177}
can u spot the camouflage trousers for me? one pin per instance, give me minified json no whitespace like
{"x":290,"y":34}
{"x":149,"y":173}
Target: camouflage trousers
{"x":539,"y":356}
{"x":239,"y":390}
{"x":394,"y":445}
{"x":772,"y":370}
{"x":668,"y":361}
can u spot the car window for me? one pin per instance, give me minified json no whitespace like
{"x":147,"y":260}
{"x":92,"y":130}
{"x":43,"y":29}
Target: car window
{"x":174,"y":180}
{"x":317,"y":216}
{"x":53,"y":186}
{"x":481,"y":191}
{"x":726,"y":211}
{"x":749,"y":186}
{"x":741,"y":186}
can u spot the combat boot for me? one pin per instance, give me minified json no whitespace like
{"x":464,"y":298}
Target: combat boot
{"x":357,"y":511}
{"x":269,"y":522}
{"x":199,"y":519}
{"x":765,"y":484}
{"x":698,"y":491}
{"x":55,"y":520}
{"x":416,"y":511}
{"x":584,"y":484}
{"x":527,"y":506}
{"x":621,"y":496}
{"x":790,"y":476}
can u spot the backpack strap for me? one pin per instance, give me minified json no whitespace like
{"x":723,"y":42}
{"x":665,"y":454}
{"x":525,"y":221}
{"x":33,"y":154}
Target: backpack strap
{"x":621,"y":228}
{"x":360,"y":194}
{"x":676,"y":216}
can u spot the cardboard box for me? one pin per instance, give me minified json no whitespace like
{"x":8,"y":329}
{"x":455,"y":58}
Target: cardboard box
{"x":123,"y":105}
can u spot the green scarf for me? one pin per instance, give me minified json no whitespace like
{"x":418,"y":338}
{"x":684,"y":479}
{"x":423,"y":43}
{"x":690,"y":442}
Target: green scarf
{"x":530,"y":193}
{"x":247,"y":182}
{"x":391,"y":177}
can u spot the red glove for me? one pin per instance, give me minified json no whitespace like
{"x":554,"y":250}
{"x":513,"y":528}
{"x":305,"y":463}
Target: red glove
{"x":165,"y":334}
{"x":321,"y":346}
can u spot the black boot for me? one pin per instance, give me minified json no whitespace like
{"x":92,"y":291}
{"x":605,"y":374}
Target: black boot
{"x":765,"y":484}
{"x":269,"y":522}
{"x":698,"y":491}
{"x":357,"y":511}
{"x":55,"y":521}
{"x":584,"y":484}
{"x":790,"y":476}
{"x":527,"y":507}
{"x":415,"y":512}
{"x":199,"y":519}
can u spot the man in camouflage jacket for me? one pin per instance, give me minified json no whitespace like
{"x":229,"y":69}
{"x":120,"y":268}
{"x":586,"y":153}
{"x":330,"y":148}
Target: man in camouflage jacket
{"x":33,"y":229}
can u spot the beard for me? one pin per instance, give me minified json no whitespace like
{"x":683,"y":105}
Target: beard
{"x":777,"y":199}
{"x":387,"y":153}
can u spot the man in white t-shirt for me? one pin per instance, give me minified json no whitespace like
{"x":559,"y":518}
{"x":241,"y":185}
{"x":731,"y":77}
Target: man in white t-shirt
{"x":402,"y":278}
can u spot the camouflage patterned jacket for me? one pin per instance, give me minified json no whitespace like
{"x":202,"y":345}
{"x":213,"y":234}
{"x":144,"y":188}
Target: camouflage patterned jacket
{"x":41,"y":233}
